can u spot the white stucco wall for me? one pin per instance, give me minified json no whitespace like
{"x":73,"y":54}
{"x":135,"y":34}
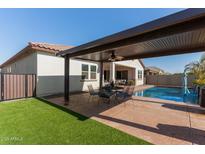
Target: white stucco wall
{"x":25,"y":65}
{"x":51,"y":75}
{"x":134,"y":64}
{"x":50,"y":72}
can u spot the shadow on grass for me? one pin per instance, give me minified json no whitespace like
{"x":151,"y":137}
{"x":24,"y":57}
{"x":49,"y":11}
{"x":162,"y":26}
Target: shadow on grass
{"x":77,"y":115}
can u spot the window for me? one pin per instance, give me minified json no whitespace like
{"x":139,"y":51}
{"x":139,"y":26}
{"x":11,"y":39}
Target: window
{"x":140,"y":74}
{"x":93,"y":72}
{"x":8,"y":69}
{"x":84,"y":71}
{"x":122,"y":75}
{"x":106,"y":75}
{"x":89,"y":72}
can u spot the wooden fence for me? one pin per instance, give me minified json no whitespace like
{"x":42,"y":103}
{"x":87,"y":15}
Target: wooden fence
{"x":175,"y":80}
{"x":14,"y":86}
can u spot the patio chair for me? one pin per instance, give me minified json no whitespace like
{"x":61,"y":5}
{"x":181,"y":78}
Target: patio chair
{"x":107,"y":88}
{"x":126,"y":94}
{"x":92,"y":92}
{"x":106,"y":95}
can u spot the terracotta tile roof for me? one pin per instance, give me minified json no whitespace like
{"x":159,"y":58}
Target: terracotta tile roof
{"x":54,"y":48}
{"x":36,"y":46}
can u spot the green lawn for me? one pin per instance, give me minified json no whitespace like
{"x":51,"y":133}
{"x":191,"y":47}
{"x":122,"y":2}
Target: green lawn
{"x":33,"y":121}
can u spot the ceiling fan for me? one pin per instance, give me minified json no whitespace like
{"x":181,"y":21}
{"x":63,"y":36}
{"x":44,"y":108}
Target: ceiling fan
{"x":114,"y":57}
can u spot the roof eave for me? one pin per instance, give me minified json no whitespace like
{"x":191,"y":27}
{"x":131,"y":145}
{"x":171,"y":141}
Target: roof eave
{"x":15,"y":56}
{"x":25,"y":51}
{"x":142,"y":64}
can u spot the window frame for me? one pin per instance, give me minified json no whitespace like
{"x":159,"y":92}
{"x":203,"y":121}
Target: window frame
{"x":83,"y":71}
{"x":139,"y":74}
{"x":91,"y":72}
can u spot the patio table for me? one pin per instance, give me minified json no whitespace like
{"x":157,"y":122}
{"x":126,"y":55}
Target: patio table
{"x":107,"y":94}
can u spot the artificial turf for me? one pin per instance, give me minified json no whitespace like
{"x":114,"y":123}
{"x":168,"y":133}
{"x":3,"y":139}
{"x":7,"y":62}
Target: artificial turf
{"x":34,"y":121}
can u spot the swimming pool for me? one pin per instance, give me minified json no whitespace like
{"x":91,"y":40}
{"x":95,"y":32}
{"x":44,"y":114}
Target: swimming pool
{"x":174,"y":94}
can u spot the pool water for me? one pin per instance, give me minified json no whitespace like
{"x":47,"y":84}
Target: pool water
{"x":174,"y":94}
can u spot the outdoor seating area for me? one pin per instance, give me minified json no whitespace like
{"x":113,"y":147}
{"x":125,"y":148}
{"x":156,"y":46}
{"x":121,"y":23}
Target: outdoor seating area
{"x":111,"y":93}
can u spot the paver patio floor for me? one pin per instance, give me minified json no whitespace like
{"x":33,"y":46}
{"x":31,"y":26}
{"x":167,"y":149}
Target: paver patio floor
{"x":154,"y":120}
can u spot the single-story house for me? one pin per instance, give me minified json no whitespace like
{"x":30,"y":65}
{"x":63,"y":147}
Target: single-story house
{"x":41,"y":59}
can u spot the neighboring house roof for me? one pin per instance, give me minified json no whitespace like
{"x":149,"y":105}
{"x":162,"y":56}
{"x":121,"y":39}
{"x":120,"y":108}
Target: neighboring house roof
{"x":154,"y":69}
{"x":36,"y":46}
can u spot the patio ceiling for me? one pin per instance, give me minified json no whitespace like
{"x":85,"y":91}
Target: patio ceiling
{"x":182,"y":32}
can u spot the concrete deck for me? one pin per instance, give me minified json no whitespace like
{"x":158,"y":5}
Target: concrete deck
{"x":154,"y":120}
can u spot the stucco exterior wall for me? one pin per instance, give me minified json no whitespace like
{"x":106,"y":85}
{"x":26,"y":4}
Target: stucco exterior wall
{"x":50,"y":72}
{"x":25,"y":65}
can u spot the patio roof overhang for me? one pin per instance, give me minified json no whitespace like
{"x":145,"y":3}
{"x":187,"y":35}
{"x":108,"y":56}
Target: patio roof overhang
{"x":182,"y":32}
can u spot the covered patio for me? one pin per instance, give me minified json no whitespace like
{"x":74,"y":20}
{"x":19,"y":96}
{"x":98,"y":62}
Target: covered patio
{"x":182,"y":32}
{"x":118,"y":73}
{"x":157,"y":121}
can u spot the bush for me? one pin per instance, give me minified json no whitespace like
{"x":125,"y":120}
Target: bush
{"x":131,"y":82}
{"x":199,"y":82}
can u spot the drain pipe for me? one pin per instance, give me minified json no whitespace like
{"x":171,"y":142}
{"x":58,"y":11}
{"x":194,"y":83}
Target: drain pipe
{"x":202,"y":97}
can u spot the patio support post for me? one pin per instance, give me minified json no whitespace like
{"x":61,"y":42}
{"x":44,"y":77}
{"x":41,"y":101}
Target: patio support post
{"x":136,"y":76}
{"x":101,"y":74}
{"x":112,"y":72}
{"x":67,"y":83}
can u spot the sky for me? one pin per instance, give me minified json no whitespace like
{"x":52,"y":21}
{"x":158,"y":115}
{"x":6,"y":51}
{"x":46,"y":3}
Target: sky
{"x":78,"y":26}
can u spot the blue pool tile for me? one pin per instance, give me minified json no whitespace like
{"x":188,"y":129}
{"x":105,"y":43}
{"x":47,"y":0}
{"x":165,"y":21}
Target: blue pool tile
{"x":174,"y":94}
